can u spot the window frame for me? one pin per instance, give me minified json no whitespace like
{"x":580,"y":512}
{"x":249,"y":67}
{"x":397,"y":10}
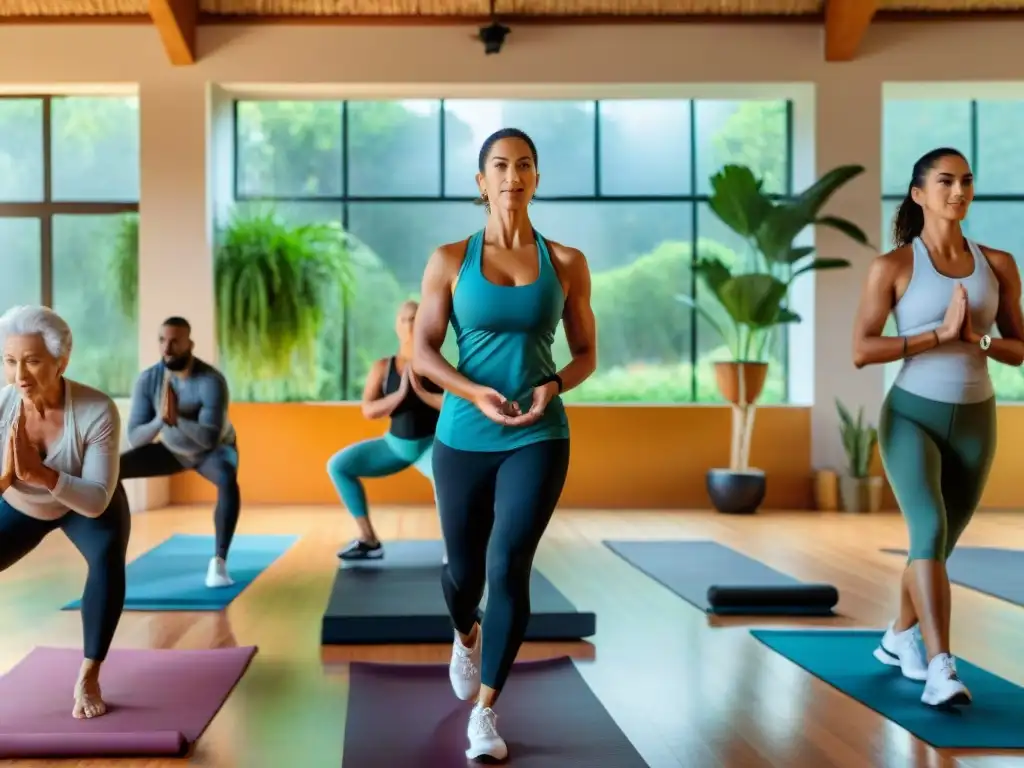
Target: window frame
{"x":972,"y":158}
{"x":47,"y":208}
{"x":693,"y":199}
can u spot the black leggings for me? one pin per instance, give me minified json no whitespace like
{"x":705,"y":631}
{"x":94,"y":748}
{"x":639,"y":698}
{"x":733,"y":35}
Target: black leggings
{"x":513,"y":493}
{"x":103,"y":542}
{"x":220,"y":467}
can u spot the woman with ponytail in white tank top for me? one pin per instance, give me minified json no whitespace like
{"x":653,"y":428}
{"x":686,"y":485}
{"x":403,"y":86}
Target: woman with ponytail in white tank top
{"x":937,"y":430}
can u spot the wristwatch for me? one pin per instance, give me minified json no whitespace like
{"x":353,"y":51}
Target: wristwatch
{"x":554,"y":377}
{"x":985,"y":341}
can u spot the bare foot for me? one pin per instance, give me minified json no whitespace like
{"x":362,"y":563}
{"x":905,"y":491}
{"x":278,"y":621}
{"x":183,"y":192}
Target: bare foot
{"x":88,"y":699}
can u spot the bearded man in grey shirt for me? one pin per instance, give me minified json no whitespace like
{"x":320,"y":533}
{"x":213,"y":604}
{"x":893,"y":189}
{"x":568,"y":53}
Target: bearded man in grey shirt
{"x":179,"y":421}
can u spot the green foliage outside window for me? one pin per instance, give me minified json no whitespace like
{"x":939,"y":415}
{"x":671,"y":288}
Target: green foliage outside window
{"x":640,"y":252}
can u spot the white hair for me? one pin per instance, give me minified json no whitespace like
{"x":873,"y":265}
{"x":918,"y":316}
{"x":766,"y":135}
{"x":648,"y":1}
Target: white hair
{"x":29,"y":320}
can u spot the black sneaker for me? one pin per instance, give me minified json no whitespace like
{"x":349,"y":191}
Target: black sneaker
{"x":360,"y":550}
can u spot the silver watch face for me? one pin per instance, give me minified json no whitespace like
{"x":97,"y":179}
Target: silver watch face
{"x":986,"y":341}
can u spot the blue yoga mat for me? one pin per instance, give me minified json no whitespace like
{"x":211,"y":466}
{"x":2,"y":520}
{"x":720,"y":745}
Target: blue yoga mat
{"x":842,"y":658}
{"x":172,"y":575}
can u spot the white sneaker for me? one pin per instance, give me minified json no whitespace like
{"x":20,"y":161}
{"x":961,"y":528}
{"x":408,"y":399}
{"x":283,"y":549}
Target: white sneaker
{"x":903,"y":650}
{"x":464,"y":670}
{"x":944,"y":687}
{"x":485,"y":744}
{"x":217,"y":574}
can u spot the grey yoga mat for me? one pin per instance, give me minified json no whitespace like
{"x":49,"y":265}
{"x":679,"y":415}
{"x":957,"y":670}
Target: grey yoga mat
{"x":699,"y":570}
{"x":990,"y":570}
{"x":398,"y":599}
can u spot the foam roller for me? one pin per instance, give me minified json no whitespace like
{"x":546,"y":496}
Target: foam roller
{"x":795,"y":600}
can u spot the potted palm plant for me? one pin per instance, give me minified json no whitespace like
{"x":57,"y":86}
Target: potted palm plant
{"x":752,"y":294}
{"x":858,"y":490}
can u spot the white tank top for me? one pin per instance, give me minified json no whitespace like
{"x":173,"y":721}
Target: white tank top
{"x":955,"y":372}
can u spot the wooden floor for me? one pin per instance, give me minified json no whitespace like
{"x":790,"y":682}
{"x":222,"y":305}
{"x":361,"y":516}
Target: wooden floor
{"x":685,"y":692}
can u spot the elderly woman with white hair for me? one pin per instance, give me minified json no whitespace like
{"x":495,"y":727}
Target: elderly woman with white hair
{"x":59,"y":469}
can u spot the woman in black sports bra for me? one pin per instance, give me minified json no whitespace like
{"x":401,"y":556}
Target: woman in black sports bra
{"x":412,"y":403}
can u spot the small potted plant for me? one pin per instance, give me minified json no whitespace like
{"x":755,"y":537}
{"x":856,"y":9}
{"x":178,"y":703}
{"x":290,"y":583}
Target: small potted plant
{"x":858,"y":490}
{"x":752,"y":296}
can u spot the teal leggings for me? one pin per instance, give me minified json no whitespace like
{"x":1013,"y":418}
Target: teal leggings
{"x":379,"y":457}
{"x":937,"y":457}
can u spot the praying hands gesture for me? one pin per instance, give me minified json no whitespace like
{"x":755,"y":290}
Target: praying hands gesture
{"x":169,"y":405}
{"x":28,"y":462}
{"x":7,"y":472}
{"x":433,"y":399}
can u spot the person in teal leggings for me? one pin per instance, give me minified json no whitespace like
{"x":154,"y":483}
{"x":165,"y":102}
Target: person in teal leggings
{"x":937,"y":430}
{"x":392,"y":390}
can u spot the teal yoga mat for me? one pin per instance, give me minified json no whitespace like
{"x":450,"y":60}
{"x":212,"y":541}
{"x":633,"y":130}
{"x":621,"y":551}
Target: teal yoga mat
{"x":171,"y":576}
{"x":842,"y":658}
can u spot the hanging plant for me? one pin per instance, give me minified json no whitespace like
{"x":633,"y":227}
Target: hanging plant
{"x":274,"y":282}
{"x":124,"y":266}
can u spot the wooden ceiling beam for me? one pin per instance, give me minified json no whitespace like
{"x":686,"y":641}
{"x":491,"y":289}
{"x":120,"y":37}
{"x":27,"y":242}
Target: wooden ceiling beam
{"x":846,"y":22}
{"x":176,"y":22}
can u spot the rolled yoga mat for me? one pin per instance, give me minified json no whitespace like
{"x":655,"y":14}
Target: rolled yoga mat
{"x":990,"y":570}
{"x":722,"y":581}
{"x":172,"y":575}
{"x":407,"y":715}
{"x":813,"y":598}
{"x":842,"y":658}
{"x":160,"y":702}
{"x":398,"y":599}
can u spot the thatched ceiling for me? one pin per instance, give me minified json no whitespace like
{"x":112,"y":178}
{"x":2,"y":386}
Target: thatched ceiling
{"x":505,"y":8}
{"x":845,"y":22}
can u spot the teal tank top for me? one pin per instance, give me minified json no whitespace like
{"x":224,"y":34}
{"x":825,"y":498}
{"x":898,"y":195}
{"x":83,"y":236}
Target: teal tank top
{"x":504,"y":335}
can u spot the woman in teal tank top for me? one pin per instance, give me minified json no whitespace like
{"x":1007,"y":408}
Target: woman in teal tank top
{"x":937,"y":431}
{"x":501,"y":450}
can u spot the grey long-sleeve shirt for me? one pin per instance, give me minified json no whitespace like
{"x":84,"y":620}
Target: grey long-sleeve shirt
{"x":203,"y":422}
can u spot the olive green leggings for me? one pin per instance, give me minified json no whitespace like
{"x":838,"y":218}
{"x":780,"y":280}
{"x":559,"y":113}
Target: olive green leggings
{"x":937,"y":458}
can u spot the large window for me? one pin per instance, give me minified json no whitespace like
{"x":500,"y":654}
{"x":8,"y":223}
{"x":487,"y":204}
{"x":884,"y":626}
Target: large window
{"x":625,"y":181}
{"x":69,"y":191}
{"x":986,"y":132}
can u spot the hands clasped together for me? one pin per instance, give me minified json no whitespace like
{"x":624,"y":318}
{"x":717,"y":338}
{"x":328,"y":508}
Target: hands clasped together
{"x":957,"y":322}
{"x":169,"y":404}
{"x":23,"y":458}
{"x":411,"y":380}
{"x":500,"y":409}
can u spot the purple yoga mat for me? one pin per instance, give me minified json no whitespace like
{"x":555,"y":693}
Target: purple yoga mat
{"x":407,"y":715}
{"x":159,"y":702}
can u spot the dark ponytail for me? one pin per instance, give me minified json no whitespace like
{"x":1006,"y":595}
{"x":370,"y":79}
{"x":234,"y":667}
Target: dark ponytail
{"x":908,"y":223}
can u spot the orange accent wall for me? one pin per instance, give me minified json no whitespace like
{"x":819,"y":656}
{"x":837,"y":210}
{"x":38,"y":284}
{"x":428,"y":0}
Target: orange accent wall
{"x":639,"y":457}
{"x":1004,"y":489}
{"x":636,"y":457}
